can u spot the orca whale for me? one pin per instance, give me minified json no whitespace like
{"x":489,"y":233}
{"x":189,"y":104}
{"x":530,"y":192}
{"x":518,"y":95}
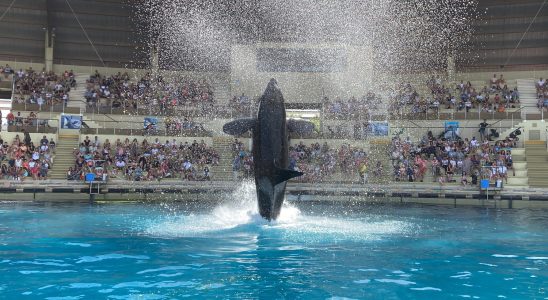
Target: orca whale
{"x":270,"y":131}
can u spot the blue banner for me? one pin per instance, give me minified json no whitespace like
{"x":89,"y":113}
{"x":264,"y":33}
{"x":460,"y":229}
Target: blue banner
{"x":452,"y":126}
{"x":378,"y":128}
{"x":150,"y":123}
{"x":71,"y":122}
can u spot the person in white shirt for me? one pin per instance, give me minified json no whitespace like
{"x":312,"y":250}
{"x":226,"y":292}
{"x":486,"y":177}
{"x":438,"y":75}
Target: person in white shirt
{"x":474,"y":143}
{"x":468,"y":105}
{"x":18,"y":162}
{"x":503,"y":172}
{"x":120,"y":164}
{"x":541,"y":82}
{"x":494,"y":81}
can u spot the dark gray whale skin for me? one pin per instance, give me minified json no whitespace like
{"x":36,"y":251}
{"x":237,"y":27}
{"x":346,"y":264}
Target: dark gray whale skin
{"x":270,"y":148}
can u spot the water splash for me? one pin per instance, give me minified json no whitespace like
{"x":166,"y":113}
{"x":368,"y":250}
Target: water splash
{"x":239,"y":214}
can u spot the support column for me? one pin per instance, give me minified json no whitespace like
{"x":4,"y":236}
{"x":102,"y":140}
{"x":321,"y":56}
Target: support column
{"x":450,"y":68}
{"x":155,"y":61}
{"x":48,"y":55}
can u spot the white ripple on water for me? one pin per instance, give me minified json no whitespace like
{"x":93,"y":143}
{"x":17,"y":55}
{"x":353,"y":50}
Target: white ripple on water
{"x":462,"y":275}
{"x":161,"y":284}
{"x":54,"y":263}
{"x":427,"y":288}
{"x":46,"y":287}
{"x":66,"y":298}
{"x":87,"y":259}
{"x":537,"y":257}
{"x":505,"y":255}
{"x":362,"y":281}
{"x":396,"y":281}
{"x":171,"y":275}
{"x":169,"y":268}
{"x":84,"y":285}
{"x":46,"y":272}
{"x":141,"y":296}
{"x":84,"y":245}
{"x":489,"y":265}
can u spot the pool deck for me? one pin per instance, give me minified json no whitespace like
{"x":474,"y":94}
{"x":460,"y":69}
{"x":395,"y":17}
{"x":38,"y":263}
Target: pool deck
{"x":172,"y":190}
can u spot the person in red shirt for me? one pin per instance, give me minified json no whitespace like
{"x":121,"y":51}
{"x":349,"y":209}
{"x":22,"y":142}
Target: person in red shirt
{"x":11,"y":118}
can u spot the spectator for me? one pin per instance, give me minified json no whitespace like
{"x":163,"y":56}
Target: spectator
{"x":482,"y":127}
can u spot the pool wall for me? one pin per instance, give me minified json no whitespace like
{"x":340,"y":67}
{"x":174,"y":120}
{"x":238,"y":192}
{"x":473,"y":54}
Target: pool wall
{"x":216,"y":191}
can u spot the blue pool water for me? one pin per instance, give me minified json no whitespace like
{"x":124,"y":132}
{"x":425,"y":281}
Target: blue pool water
{"x":315,"y":251}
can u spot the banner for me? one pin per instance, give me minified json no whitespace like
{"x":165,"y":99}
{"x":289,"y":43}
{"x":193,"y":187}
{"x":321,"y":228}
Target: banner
{"x":451,"y":130}
{"x":378,"y":128}
{"x":71,"y":122}
{"x":452,"y":126}
{"x":150,"y":123}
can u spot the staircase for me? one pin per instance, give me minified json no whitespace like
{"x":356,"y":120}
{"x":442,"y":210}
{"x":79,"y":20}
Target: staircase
{"x":537,"y":163}
{"x":380,"y":151}
{"x":222,"y":145}
{"x":221,"y":90}
{"x":77,"y":93}
{"x":527,"y":97}
{"x":64,"y":157}
{"x":90,"y":123}
{"x":520,"y":179}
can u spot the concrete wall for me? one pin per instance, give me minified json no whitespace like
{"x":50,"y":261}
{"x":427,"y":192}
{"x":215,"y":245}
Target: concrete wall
{"x":301,"y":87}
{"x":467,"y":129}
{"x":113,"y":138}
{"x":36,"y":137}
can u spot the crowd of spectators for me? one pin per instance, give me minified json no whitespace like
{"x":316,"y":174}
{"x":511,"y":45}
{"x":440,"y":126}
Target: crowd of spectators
{"x":43,"y":88}
{"x":542,"y":94}
{"x":22,"y":159}
{"x":317,"y":162}
{"x":403,"y":95}
{"x":451,"y":159}
{"x":155,"y":93}
{"x":240,"y":105}
{"x":351,"y":106}
{"x":183,"y":126}
{"x":464,"y":96}
{"x":144,"y":161}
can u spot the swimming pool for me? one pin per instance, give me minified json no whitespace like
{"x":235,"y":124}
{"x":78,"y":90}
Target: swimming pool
{"x":315,"y":251}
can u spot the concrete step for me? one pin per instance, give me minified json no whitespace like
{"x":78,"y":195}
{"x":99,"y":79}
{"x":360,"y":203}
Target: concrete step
{"x":518,"y":181}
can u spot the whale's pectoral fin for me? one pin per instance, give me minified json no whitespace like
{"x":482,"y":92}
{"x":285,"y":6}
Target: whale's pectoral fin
{"x":285,"y":174}
{"x":300,"y":126}
{"x":239,"y":126}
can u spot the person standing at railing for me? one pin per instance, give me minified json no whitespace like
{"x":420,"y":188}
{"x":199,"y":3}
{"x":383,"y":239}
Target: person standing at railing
{"x":11,"y":118}
{"x":483,"y":127}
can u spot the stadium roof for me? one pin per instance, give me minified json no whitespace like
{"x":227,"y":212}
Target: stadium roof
{"x":115,"y":32}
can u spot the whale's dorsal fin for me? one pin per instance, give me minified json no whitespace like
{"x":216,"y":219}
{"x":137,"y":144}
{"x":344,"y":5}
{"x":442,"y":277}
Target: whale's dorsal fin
{"x":300,"y":126}
{"x":239,"y":126}
{"x":285,"y":174}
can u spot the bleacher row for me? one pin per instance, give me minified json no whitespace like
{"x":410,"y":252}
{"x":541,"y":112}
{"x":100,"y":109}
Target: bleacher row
{"x":106,"y":96}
